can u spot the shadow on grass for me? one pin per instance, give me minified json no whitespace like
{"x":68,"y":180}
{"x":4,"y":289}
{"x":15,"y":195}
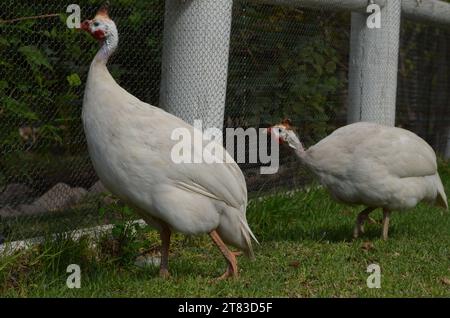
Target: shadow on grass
{"x":336,"y":233}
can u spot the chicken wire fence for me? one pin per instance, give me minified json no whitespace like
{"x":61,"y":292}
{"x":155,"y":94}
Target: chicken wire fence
{"x":283,"y":62}
{"x":423,"y":100}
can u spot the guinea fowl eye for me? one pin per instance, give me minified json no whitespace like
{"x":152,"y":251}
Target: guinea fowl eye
{"x":96,"y":24}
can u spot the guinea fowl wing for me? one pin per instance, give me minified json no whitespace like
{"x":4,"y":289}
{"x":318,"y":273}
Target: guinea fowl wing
{"x":402,"y":153}
{"x":222,"y":181}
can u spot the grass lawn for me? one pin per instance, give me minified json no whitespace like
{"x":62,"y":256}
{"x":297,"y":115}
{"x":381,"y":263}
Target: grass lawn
{"x":306,"y":250}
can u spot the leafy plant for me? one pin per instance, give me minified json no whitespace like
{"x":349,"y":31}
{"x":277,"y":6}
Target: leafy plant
{"x":287,"y":62}
{"x":125,"y":240}
{"x":43,"y":68}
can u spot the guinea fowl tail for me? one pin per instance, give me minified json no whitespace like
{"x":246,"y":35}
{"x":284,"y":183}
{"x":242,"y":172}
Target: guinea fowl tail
{"x":441,"y":199}
{"x":235,"y":231}
{"x":248,"y":236}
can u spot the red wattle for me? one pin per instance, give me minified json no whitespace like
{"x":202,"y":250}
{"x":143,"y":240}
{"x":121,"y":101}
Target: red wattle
{"x":99,"y":35}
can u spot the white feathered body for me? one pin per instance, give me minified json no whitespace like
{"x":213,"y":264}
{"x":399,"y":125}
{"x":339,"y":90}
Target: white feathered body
{"x":130,"y":146}
{"x":377,"y":166}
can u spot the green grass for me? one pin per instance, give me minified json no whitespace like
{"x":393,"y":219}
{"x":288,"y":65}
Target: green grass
{"x":306,"y":251}
{"x":90,"y":212}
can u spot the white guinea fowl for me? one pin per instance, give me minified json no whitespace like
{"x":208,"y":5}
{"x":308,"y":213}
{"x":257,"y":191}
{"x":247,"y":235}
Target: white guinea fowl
{"x":130,"y":146}
{"x":372,"y":165}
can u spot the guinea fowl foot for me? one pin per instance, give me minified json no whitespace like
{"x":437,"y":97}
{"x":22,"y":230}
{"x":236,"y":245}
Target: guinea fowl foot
{"x":357,"y":231}
{"x":359,"y":227}
{"x":229,"y":273}
{"x":230,"y":257}
{"x":232,"y":271}
{"x":360,"y":220}
{"x":164,"y":273}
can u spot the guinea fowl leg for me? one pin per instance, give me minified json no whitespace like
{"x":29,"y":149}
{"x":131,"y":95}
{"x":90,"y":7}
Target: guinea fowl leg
{"x":232,"y":270}
{"x":386,"y":216}
{"x":165,"y":240}
{"x":360,"y":219}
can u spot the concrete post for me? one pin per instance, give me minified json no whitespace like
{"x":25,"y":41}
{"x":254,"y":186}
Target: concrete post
{"x":195,"y":59}
{"x":373,"y":66}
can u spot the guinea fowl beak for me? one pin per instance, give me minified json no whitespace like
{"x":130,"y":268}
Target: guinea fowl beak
{"x":85,"y":25}
{"x":268,"y":131}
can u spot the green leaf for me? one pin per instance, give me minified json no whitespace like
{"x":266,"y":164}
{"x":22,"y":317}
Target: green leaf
{"x":330,"y":67}
{"x":18,"y":108}
{"x":102,"y":211}
{"x":135,"y":18}
{"x":24,"y":88}
{"x":35,"y":57}
{"x":74,"y":80}
{"x":4,"y":42}
{"x":51,"y":133}
{"x":3,"y":85}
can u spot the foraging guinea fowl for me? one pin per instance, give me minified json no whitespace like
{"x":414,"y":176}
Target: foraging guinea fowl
{"x":130,"y":146}
{"x":373,"y":165}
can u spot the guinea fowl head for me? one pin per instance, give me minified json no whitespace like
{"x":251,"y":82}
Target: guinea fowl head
{"x":103,"y":29}
{"x":284,"y":133}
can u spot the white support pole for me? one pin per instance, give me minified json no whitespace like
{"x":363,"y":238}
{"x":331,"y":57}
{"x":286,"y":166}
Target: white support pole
{"x":350,"y":5}
{"x":195,"y":59}
{"x":428,"y":11}
{"x":373,"y":66}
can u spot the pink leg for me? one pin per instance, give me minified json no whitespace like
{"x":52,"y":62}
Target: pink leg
{"x":232,"y":269}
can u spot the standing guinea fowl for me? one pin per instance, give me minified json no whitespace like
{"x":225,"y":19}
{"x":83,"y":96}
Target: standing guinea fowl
{"x":372,"y":165}
{"x":130,"y":146}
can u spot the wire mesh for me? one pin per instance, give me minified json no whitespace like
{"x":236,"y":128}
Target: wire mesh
{"x":284,"y":62}
{"x":47,"y":182}
{"x":423,"y":103}
{"x":195,"y":54}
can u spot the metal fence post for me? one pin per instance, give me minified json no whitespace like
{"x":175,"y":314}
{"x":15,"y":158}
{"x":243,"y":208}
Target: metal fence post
{"x":195,"y":59}
{"x":373,"y":66}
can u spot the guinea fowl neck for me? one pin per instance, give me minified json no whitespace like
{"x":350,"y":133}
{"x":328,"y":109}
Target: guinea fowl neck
{"x":294,"y":142}
{"x":108,"y":47}
{"x":300,"y":151}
